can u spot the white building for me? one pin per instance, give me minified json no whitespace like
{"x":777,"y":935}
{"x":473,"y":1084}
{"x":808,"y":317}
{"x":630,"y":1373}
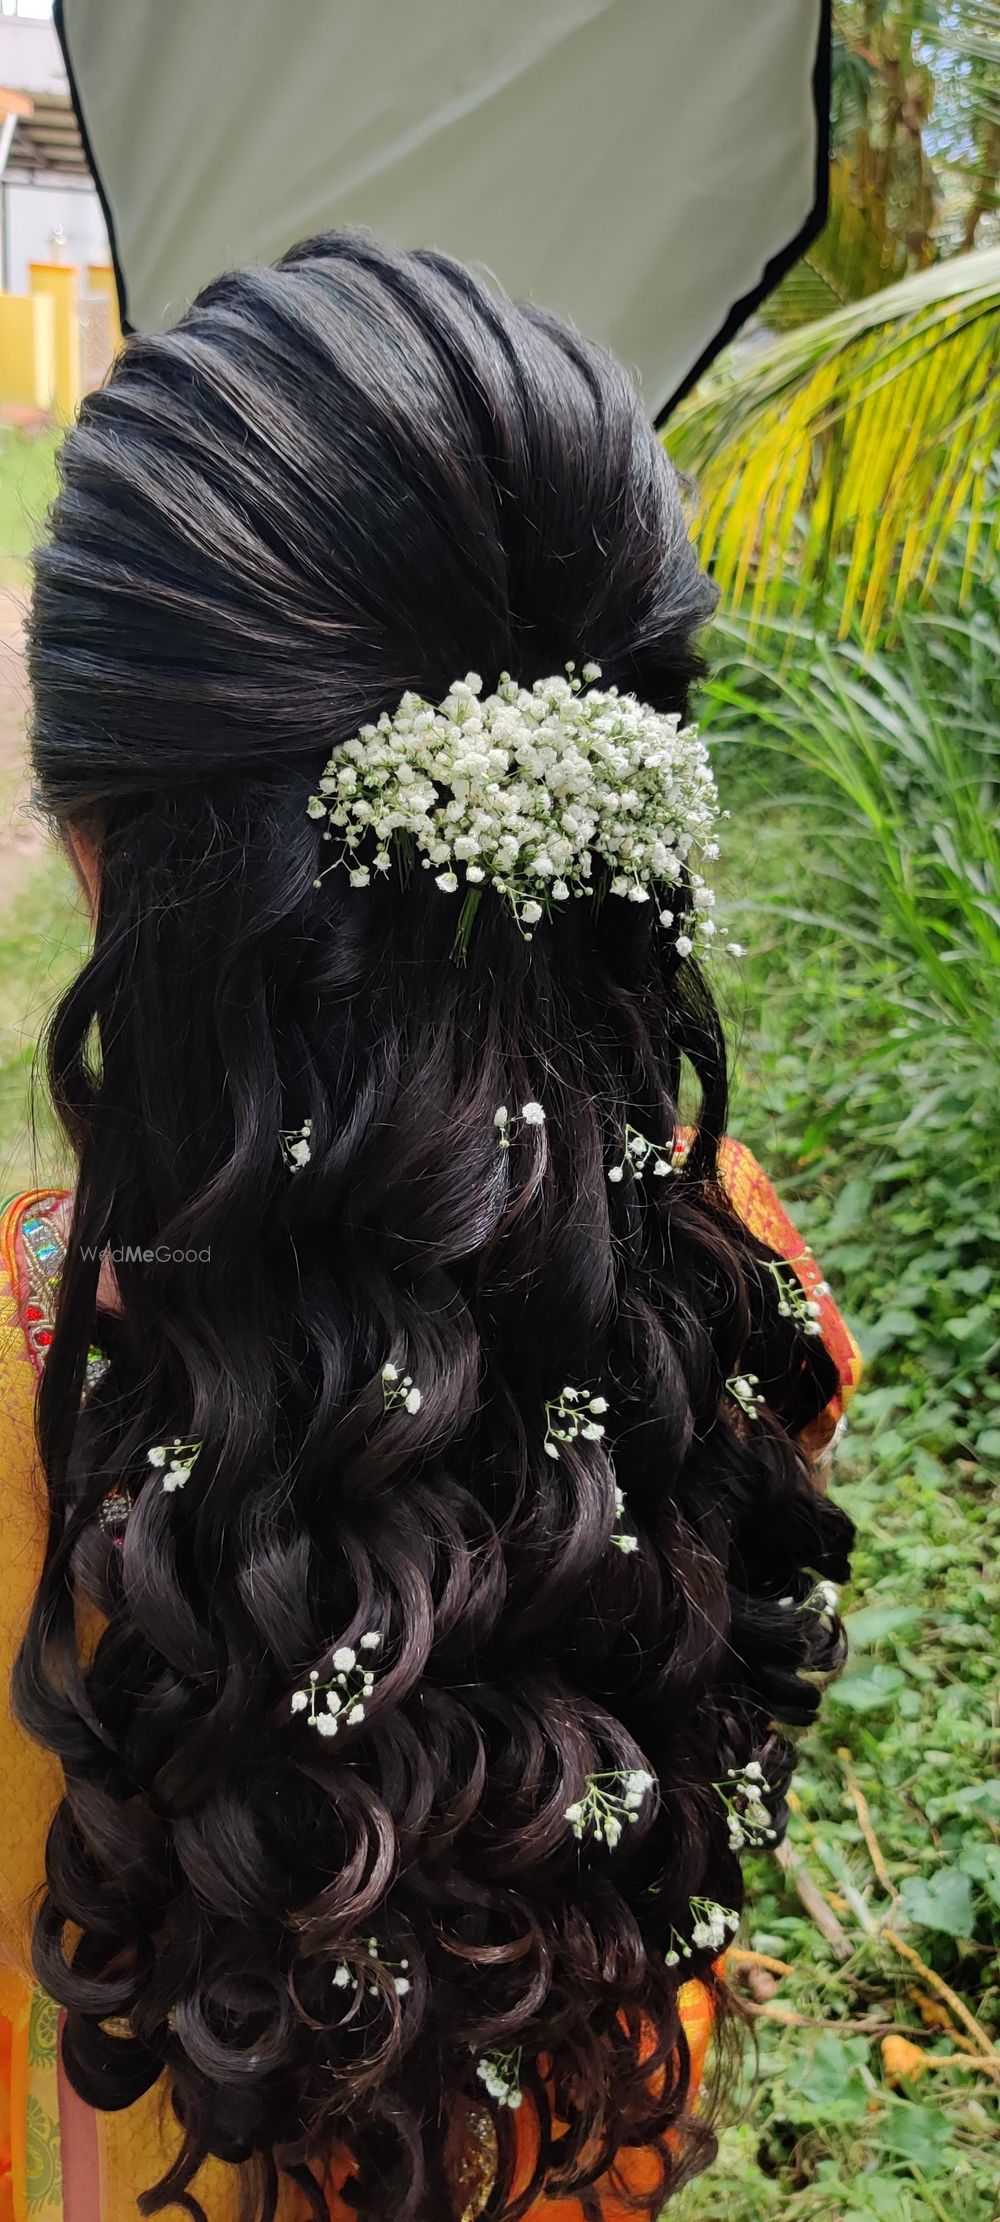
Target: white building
{"x":49,"y":210}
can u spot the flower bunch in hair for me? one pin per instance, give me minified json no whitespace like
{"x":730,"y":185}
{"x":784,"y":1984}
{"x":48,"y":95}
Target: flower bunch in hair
{"x":523,"y":790}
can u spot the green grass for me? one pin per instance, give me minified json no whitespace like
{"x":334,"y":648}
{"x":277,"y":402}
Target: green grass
{"x":27,"y":485}
{"x":43,"y":938}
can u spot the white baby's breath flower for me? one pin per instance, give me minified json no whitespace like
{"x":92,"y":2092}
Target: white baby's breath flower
{"x":748,"y":1818}
{"x":500,"y":2073}
{"x":296,"y":1146}
{"x":524,"y":789}
{"x":399,"y":1391}
{"x":175,"y":1460}
{"x":532,"y":1114}
{"x":571,"y":1415}
{"x":607,"y":1803}
{"x":342,"y":1700}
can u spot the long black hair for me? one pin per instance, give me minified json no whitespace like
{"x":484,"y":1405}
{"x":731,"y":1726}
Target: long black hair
{"x":349,"y":475}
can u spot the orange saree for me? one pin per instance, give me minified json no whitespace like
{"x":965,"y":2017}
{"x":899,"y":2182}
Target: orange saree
{"x":59,"y":2161}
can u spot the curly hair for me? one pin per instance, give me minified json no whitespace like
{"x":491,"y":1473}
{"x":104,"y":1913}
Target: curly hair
{"x":352,"y":474}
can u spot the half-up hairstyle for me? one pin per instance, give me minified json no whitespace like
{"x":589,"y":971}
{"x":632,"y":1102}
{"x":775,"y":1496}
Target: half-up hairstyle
{"x":347,"y":476}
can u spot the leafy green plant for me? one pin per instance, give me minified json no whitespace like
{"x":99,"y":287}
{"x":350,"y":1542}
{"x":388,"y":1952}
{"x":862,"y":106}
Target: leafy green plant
{"x":27,"y":486}
{"x":903,"y":750}
{"x":866,"y":435}
{"x":857,"y":1085}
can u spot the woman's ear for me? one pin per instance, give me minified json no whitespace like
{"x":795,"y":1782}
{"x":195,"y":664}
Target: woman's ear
{"x":85,"y":859}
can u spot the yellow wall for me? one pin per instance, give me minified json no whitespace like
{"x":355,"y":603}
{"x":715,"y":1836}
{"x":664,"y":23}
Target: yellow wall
{"x":101,"y":279}
{"x":28,"y":349}
{"x":59,"y":280}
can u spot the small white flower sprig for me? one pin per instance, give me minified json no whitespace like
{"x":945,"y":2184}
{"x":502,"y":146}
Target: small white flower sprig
{"x":608,"y":1802}
{"x":794,"y":1302}
{"x":501,"y":2073}
{"x":638,"y":1151}
{"x":825,"y":1601}
{"x":711,"y":1927}
{"x":398,"y":1391}
{"x":623,"y":1539}
{"x":524,"y":788}
{"x":346,"y":1977}
{"x":742,"y":1387}
{"x":345,"y":1696}
{"x":748,"y":1819}
{"x":573,"y":1414}
{"x":174,"y":1462}
{"x":532,"y":1114}
{"x":296,"y":1147}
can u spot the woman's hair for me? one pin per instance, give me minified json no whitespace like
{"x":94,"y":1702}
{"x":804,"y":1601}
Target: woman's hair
{"x":356,"y":473}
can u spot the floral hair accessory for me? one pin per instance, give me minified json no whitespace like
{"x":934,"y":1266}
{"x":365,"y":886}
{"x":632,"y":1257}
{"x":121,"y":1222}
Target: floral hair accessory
{"x":824,"y":1600}
{"x":174,"y":1460}
{"x":743,"y":1388}
{"x":794,"y":1301}
{"x":572,"y":1414}
{"x":346,"y":1977}
{"x":639,"y":1150}
{"x":345,"y":1695}
{"x":748,"y":1818}
{"x":711,"y":1927}
{"x":296,"y":1146}
{"x":607,"y":1802}
{"x":501,"y":2073}
{"x":398,"y":1391}
{"x":532,"y":1114}
{"x":523,"y":790}
{"x":623,"y":1539}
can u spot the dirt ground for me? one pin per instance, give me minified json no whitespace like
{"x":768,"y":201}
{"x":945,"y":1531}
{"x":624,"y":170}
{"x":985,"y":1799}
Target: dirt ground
{"x":21,"y":835}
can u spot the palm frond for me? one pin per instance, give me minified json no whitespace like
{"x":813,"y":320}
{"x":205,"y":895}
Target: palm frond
{"x":854,"y":255}
{"x":865,"y":435}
